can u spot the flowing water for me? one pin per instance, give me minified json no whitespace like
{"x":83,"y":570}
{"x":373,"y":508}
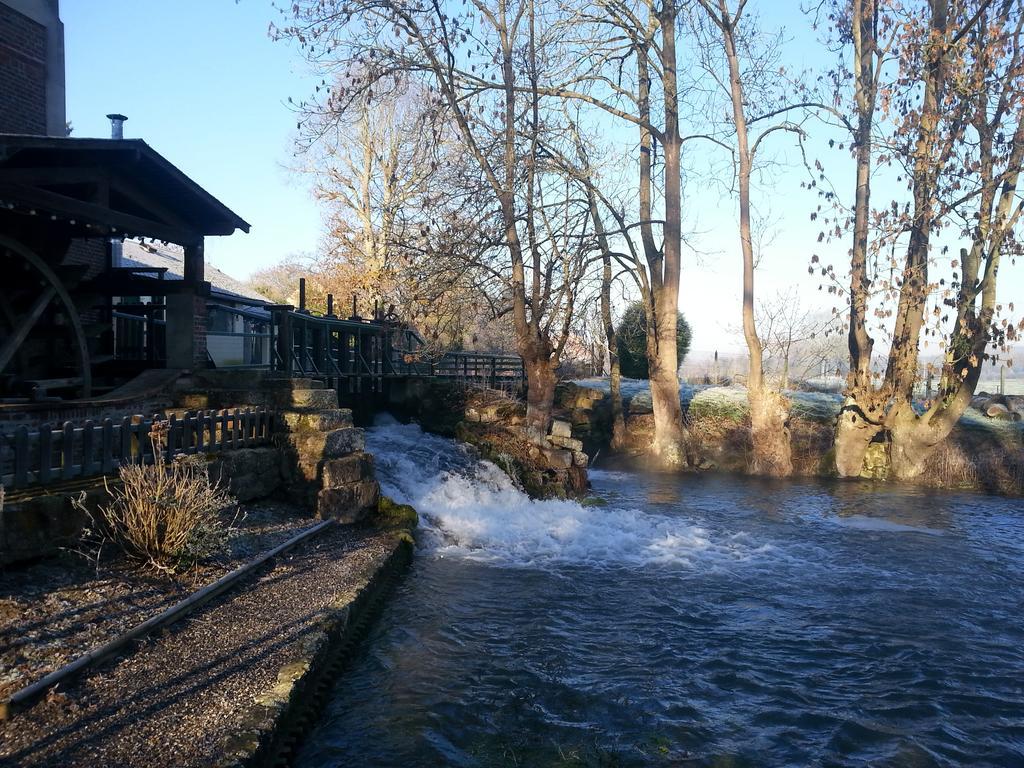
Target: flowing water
{"x":706,"y":620}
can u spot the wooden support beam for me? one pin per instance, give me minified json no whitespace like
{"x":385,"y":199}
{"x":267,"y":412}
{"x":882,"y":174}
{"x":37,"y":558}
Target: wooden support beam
{"x":69,"y":306}
{"x":25,"y":326}
{"x":116,"y":221}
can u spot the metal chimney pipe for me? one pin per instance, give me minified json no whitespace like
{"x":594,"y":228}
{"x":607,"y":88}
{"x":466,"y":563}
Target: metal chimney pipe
{"x":116,"y":247}
{"x":116,"y":125}
{"x":116,"y":253}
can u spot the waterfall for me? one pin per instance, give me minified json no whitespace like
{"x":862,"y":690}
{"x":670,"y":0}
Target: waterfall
{"x":469,"y":508}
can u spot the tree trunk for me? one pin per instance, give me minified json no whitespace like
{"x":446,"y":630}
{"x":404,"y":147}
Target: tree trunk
{"x":670,"y":436}
{"x":769,"y":409}
{"x":615,"y":385}
{"x":854,"y":432}
{"x":618,"y":441}
{"x":540,"y":395}
{"x":769,"y":432}
{"x":856,"y":423}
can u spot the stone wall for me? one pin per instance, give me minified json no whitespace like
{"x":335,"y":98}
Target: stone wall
{"x":326,"y":464}
{"x":493,"y":422}
{"x":317,"y":460}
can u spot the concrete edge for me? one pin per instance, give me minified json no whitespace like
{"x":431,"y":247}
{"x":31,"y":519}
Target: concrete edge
{"x":272,"y":726}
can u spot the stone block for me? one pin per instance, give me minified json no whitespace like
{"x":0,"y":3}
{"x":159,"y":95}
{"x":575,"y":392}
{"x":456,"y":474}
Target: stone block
{"x":568,"y":443}
{"x":484,"y":414}
{"x":195,"y":401}
{"x":307,"y":384}
{"x":310,"y":448}
{"x":557,"y":458}
{"x":248,"y":473}
{"x":350,"y":469}
{"x":320,"y":421}
{"x":315,"y":399}
{"x":350,"y":503}
{"x":41,"y":526}
{"x":641,"y":404}
{"x":561,"y":428}
{"x":580,"y":418}
{"x":341,"y":442}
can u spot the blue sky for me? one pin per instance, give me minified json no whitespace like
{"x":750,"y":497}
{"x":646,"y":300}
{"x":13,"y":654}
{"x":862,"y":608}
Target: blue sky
{"x":202,"y":83}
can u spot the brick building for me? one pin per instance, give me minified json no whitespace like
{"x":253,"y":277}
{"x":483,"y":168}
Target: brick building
{"x":31,"y":68}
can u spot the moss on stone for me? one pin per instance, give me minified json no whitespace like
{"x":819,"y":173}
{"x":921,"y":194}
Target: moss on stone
{"x":392,"y":515}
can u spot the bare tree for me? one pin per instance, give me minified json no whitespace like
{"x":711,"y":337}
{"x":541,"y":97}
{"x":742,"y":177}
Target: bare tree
{"x":481,"y":66}
{"x":954,"y":122}
{"x":769,"y":408}
{"x":624,"y":62}
{"x":797,"y":342}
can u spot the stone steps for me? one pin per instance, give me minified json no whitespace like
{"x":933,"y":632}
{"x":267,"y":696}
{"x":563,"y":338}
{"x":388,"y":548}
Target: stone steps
{"x":314,"y":399}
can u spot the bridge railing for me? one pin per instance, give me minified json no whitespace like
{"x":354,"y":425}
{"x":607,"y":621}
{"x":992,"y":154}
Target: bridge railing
{"x":356,"y":354}
{"x":494,"y":371}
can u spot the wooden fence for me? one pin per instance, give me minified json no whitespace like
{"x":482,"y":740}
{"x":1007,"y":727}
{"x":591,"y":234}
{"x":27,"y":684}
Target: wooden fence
{"x":494,"y":371}
{"x":53,"y":454}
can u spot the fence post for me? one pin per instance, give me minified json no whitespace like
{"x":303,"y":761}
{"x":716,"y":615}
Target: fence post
{"x":21,"y":456}
{"x":125,"y":453}
{"x":67,"y":451}
{"x":45,"y":452}
{"x":200,"y":429}
{"x":188,"y":423}
{"x":172,"y":431}
{"x":145,"y":427}
{"x":87,"y":430}
{"x":284,"y":339}
{"x":106,"y":447}
{"x":224,"y":430}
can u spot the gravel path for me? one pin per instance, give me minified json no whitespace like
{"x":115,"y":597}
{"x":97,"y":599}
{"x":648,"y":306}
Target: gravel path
{"x":173,"y":700}
{"x":56,"y":610}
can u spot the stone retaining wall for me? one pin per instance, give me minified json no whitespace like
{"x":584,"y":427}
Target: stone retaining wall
{"x":317,"y":460}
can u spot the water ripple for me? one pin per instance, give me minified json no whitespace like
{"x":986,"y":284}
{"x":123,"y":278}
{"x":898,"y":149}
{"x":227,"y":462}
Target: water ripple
{"x":691,"y":621}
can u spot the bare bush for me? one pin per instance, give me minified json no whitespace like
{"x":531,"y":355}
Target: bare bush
{"x":166,"y":516}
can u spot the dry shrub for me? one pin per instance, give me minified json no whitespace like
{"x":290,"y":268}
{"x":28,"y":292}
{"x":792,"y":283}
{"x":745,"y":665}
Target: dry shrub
{"x":964,"y":464}
{"x":721,"y":438}
{"x":166,"y":516}
{"x":811,"y":443}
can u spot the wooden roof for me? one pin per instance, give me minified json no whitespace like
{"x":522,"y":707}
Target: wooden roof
{"x":108,"y":187}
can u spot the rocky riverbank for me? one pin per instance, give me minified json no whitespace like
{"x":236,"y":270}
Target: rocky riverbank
{"x":494,"y":423}
{"x":984,"y":452}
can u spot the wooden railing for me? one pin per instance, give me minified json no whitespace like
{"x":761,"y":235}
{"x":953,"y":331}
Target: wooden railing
{"x":71,"y":451}
{"x":356,"y":355}
{"x":494,"y":371}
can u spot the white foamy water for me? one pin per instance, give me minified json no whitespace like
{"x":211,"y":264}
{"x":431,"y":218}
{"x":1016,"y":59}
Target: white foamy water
{"x":469,"y":508}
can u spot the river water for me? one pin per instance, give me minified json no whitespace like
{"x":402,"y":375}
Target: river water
{"x":706,"y":620}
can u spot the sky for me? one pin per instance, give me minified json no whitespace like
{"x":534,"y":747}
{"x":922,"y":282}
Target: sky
{"x":203,"y":84}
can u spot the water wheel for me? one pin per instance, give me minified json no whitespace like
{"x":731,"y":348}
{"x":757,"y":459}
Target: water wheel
{"x":37,"y":312}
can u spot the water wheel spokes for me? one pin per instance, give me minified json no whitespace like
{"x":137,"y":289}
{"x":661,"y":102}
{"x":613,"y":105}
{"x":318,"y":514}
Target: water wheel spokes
{"x":24,"y":324}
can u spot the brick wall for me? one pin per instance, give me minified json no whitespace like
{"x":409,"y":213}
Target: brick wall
{"x":22,"y":74}
{"x":199,"y":332}
{"x":91,"y":252}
